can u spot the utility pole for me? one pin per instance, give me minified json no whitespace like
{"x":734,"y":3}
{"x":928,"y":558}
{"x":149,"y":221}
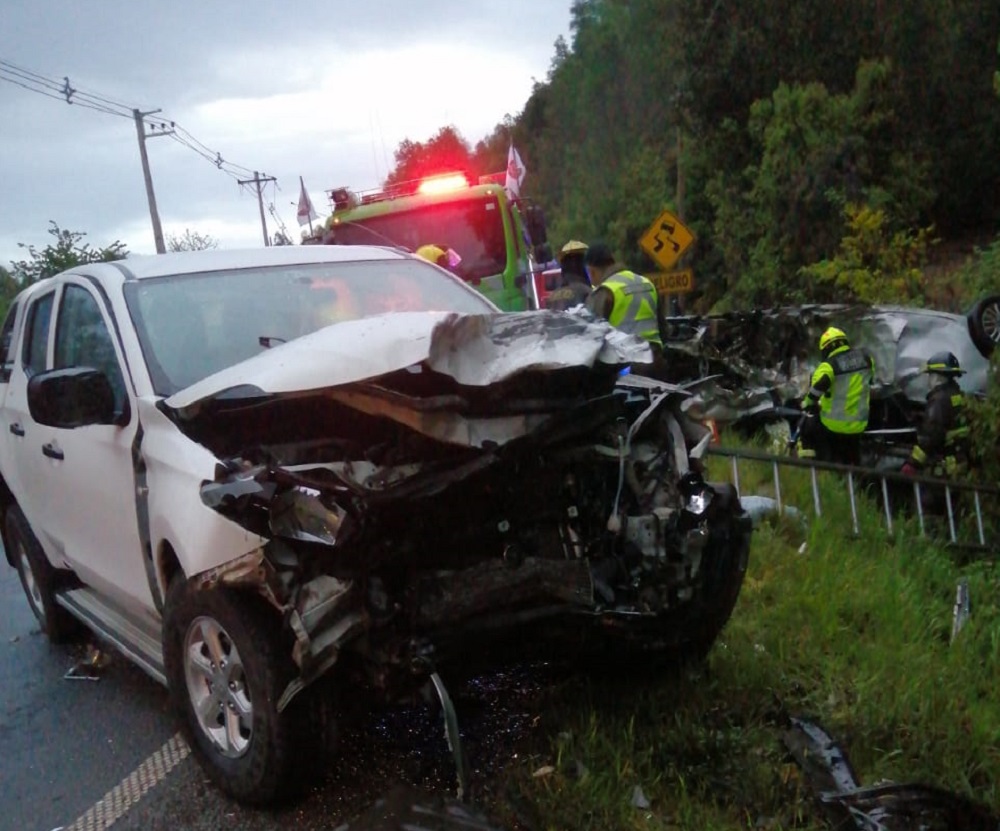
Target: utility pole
{"x":258,"y":182}
{"x":140,"y":128}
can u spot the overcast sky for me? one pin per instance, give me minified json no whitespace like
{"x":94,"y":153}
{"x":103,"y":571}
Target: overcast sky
{"x":322,"y":90}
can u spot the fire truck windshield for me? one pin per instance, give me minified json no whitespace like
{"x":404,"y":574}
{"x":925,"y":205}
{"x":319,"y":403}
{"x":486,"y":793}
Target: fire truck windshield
{"x":471,"y":227}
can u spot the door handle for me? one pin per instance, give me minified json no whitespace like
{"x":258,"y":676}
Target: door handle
{"x":52,"y":451}
{"x":17,"y":429}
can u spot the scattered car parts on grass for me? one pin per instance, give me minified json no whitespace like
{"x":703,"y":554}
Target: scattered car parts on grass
{"x":887,"y":806}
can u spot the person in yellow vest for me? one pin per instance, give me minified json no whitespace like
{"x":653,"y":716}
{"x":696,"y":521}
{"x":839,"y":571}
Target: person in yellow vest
{"x":840,"y":395}
{"x":628,"y":301}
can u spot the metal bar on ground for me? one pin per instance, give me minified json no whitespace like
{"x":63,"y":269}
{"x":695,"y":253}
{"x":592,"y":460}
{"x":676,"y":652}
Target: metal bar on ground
{"x":777,"y":487}
{"x":736,"y":474}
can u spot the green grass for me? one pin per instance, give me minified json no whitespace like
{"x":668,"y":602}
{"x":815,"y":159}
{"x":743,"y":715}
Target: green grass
{"x":854,"y":632}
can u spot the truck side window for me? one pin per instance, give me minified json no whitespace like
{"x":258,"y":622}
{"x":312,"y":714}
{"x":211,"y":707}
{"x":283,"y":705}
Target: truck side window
{"x":37,"y":341}
{"x":83,"y":339}
{"x":7,"y":344}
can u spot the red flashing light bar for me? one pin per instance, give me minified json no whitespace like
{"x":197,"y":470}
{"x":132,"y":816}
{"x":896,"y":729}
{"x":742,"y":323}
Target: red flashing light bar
{"x":443,"y":184}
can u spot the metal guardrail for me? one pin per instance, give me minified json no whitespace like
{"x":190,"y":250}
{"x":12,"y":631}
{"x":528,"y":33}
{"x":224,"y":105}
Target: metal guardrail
{"x":854,"y":474}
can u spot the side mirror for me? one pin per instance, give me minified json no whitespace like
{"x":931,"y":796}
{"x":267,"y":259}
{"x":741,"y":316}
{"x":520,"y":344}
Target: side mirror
{"x":534,"y":219}
{"x":68,"y":398}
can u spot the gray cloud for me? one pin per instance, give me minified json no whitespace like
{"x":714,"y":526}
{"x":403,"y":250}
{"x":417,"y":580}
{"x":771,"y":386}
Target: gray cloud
{"x":324,"y":92}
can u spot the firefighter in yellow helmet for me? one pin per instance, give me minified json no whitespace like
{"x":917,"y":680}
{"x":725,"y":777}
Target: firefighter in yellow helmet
{"x":574,"y":288}
{"x":433,"y":254}
{"x":628,"y":301}
{"x":839,"y":394}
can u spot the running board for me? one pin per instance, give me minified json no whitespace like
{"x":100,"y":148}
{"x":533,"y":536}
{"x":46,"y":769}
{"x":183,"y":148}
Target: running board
{"x":140,"y":644}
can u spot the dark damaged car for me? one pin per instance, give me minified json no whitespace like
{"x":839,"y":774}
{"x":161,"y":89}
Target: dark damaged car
{"x":272,"y":478}
{"x":746,"y":368}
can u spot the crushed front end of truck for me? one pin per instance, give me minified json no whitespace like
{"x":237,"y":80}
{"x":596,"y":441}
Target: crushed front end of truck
{"x":512,"y":489}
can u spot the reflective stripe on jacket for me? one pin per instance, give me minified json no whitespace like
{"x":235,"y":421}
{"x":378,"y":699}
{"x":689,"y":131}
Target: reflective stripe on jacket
{"x":843,"y":406}
{"x":635,"y":305}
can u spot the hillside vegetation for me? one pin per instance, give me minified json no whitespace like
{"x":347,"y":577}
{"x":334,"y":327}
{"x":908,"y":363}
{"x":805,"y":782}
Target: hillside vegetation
{"x":799,"y":140}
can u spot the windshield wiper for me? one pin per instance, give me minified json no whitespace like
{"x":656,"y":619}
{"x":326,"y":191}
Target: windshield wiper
{"x":377,"y":234}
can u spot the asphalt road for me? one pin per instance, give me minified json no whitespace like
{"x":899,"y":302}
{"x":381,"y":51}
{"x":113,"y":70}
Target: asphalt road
{"x":80,"y":754}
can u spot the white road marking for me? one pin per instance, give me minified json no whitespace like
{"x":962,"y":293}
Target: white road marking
{"x":116,"y":802}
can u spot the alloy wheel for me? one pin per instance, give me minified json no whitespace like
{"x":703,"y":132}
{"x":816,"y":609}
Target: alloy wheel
{"x":216,"y":684}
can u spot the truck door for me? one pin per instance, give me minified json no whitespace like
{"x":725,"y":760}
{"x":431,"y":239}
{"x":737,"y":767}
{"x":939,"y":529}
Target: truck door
{"x":88,"y":472}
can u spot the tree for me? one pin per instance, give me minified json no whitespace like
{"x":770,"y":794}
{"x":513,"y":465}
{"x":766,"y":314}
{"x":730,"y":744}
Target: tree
{"x":64,"y":253}
{"x":191,"y":241}
{"x":445,"y":152}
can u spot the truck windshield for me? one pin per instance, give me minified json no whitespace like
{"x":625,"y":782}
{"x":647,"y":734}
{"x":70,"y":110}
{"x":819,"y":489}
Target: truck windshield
{"x":192,"y":325}
{"x":471,"y":227}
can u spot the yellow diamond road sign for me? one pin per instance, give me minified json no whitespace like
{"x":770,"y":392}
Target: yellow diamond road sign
{"x":666,"y":239}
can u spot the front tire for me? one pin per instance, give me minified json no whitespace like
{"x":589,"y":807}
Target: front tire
{"x":227,"y":664}
{"x":38,"y":578}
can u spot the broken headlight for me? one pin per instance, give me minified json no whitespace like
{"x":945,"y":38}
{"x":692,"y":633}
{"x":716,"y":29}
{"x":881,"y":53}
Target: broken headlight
{"x":697,"y":495}
{"x":301,"y":513}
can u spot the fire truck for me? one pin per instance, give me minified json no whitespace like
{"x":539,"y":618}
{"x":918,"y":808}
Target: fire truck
{"x":494,"y":236}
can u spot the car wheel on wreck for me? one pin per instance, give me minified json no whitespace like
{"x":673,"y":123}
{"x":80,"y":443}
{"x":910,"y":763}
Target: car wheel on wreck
{"x":984,"y":324}
{"x":38,"y":578}
{"x":227,"y":666}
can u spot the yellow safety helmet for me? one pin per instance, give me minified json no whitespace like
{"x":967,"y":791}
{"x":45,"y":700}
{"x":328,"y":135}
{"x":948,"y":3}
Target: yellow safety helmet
{"x":831,"y":337}
{"x":574,"y":246}
{"x":433,"y":254}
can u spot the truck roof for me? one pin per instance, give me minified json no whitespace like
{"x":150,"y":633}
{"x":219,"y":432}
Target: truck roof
{"x":397,"y":204}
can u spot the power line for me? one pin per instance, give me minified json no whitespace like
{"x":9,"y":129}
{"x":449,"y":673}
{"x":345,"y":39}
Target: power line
{"x":66,"y":92}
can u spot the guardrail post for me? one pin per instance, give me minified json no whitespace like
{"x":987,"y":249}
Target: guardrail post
{"x":951,"y":514}
{"x":854,"y":503}
{"x":886,"y":505}
{"x":815,"y":486}
{"x":920,"y":507}
{"x":979,"y":520}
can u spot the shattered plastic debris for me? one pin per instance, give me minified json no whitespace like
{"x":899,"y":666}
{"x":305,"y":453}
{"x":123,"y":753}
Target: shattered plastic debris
{"x":761,"y":506}
{"x":90,"y":668}
{"x":639,"y":799}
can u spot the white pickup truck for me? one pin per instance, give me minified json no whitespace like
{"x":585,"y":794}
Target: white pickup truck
{"x":259,"y":473}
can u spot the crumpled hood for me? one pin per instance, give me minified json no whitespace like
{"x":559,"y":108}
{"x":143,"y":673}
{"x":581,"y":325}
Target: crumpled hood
{"x":474,"y":350}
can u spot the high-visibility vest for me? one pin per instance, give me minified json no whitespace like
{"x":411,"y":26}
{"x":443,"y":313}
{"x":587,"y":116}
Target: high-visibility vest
{"x":843,"y":408}
{"x":635,"y":305}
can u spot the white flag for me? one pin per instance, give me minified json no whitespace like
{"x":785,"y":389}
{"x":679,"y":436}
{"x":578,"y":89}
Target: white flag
{"x":306,"y":212}
{"x":515,"y":172}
